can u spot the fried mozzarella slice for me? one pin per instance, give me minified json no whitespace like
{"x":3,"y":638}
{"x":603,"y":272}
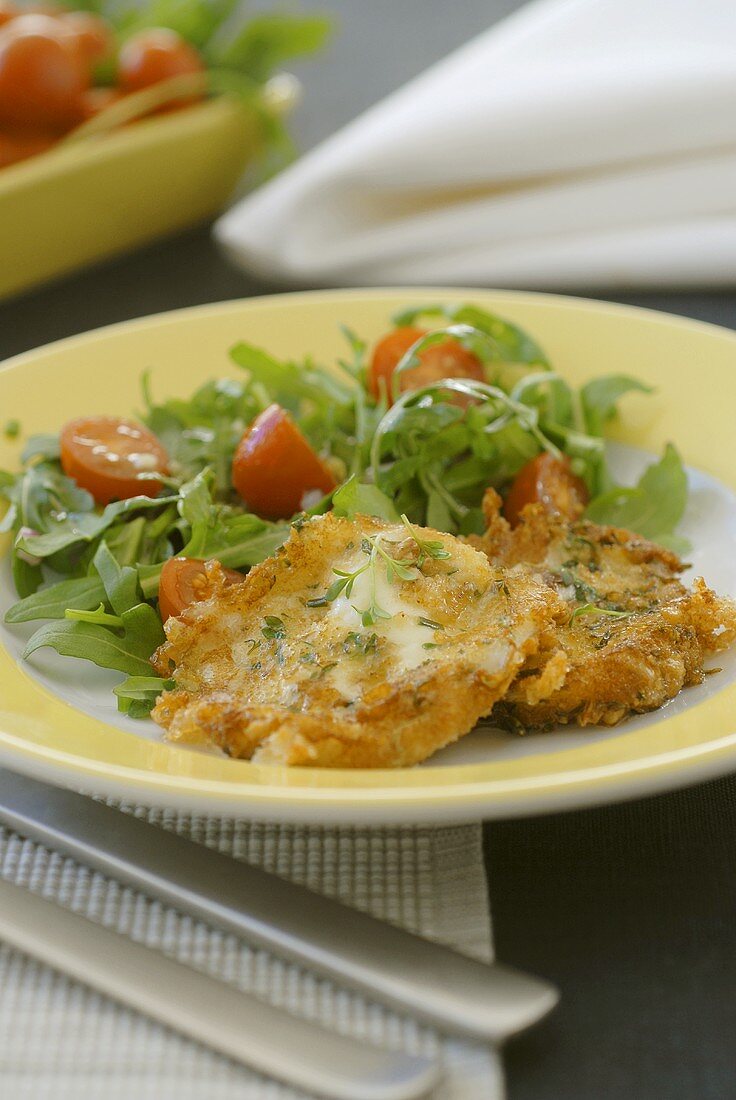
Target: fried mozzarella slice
{"x":302,"y":665}
{"x":633,"y":636}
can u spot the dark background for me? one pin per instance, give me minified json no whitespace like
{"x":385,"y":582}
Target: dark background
{"x":629,"y":909}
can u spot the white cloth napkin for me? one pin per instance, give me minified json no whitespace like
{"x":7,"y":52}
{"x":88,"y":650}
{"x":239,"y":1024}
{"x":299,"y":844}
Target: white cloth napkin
{"x":62,"y":1041}
{"x":578,"y":143}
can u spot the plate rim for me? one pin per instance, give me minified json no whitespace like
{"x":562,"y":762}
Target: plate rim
{"x":421,"y":802}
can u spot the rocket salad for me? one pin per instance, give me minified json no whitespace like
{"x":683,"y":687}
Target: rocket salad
{"x":112,"y":518}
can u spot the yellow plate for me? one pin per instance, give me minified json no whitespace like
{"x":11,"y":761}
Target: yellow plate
{"x":84,"y":202}
{"x":693,"y":367}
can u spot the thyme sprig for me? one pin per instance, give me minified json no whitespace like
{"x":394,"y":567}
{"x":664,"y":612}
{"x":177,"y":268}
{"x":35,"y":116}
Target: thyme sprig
{"x":428,"y":548}
{"x":397,"y":569}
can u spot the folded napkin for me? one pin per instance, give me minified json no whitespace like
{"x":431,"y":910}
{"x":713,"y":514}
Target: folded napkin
{"x":62,"y":1041}
{"x":578,"y":143}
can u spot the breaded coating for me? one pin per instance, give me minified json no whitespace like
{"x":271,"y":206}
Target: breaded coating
{"x":285,"y":670}
{"x":634,"y":635}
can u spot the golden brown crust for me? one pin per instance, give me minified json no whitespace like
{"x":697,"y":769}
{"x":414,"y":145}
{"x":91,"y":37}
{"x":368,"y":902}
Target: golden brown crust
{"x":321,"y":689}
{"x":655,"y":643}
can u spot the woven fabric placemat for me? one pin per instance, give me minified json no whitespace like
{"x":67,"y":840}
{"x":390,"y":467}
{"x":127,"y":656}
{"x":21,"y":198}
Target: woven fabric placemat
{"x":60,"y":1040}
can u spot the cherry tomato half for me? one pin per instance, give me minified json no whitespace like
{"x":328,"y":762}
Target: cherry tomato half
{"x":185,"y":581}
{"x":448,"y":359}
{"x":93,"y":35}
{"x":106,"y":456}
{"x":548,"y":481}
{"x":155,"y":55}
{"x":274,"y":466}
{"x":42,"y":74}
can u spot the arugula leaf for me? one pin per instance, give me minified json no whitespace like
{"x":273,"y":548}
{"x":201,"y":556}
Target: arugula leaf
{"x":354,"y":498}
{"x":236,"y":540}
{"x":204,"y":430}
{"x":27,"y":576}
{"x":137,"y":695}
{"x":654,"y":507}
{"x":286,"y":382}
{"x":80,"y":527}
{"x":600,"y":397}
{"x":41,"y":447}
{"x":195,"y":506}
{"x":120,"y":582}
{"x":126,"y":651}
{"x":436,"y":462}
{"x":84,"y":593}
{"x":510,"y":343}
{"x":332,"y":408}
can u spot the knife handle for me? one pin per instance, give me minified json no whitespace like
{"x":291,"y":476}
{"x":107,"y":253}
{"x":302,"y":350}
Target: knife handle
{"x":235,"y":1024}
{"x":427,"y":980}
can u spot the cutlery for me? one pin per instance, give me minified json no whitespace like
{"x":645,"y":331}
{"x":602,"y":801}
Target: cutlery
{"x":413,"y":975}
{"x":236,"y":1024}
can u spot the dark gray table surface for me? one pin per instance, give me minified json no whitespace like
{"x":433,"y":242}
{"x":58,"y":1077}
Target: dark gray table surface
{"x":631,"y":909}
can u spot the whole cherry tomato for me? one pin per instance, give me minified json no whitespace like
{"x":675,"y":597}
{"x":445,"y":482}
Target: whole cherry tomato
{"x":42,"y":74}
{"x":94,"y":37}
{"x":274,"y":466}
{"x":154,"y":55}
{"x":448,"y":359}
{"x":8,"y":11}
{"x":15,"y":147}
{"x":548,"y":481}
{"x":185,"y":581}
{"x":106,"y":455}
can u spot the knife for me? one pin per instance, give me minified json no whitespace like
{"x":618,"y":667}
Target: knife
{"x":236,"y":1024}
{"x":430,"y":981}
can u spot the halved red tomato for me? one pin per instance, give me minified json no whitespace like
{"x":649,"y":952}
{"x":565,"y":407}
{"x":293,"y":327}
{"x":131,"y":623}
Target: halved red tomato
{"x":274,"y":466}
{"x":549,"y":481}
{"x":185,"y":581}
{"x":106,"y":455}
{"x":448,"y":359}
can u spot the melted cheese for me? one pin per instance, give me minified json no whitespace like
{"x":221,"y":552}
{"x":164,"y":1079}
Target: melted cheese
{"x":402,"y":632}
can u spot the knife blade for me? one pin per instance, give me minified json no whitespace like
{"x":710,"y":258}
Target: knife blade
{"x":413,"y":975}
{"x":236,"y":1024}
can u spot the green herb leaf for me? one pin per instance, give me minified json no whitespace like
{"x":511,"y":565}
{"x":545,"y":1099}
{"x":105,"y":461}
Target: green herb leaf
{"x":51,"y":603}
{"x":356,"y":498}
{"x":511,"y":344}
{"x":593,"y":609}
{"x":99,"y":616}
{"x":137,"y":695}
{"x":128,"y":652}
{"x":120,"y":582}
{"x":41,"y":448}
{"x":27,"y":576}
{"x":79,"y":527}
{"x":360,"y":645}
{"x":274,"y":628}
{"x":654,"y":507}
{"x":600,"y":397}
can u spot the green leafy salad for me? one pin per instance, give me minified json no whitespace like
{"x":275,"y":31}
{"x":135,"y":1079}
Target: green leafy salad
{"x":467,"y":402}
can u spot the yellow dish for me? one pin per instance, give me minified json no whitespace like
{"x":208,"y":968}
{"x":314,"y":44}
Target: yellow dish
{"x":84,"y":202}
{"x":55,"y":735}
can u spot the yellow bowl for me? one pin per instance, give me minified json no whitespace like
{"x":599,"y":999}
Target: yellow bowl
{"x":90,"y":200}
